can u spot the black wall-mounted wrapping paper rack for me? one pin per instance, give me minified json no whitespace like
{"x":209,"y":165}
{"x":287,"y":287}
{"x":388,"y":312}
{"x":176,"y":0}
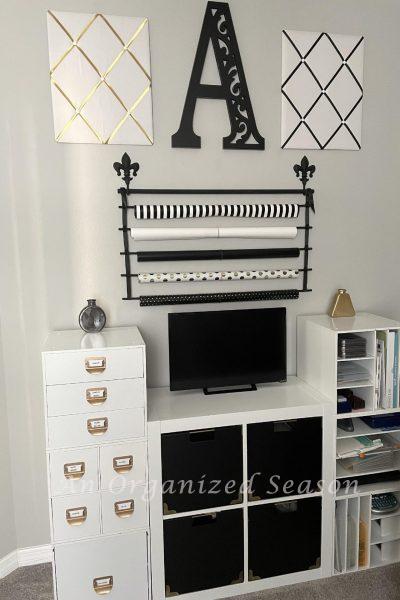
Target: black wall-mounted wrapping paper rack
{"x":127,"y":170}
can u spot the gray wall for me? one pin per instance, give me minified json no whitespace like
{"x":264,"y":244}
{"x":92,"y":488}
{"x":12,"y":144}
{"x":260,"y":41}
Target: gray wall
{"x":7,"y":518}
{"x":60,"y":225}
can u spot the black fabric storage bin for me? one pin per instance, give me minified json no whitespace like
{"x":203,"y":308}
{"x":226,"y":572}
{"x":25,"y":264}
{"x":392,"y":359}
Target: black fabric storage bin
{"x":203,"y":552}
{"x":283,"y":451}
{"x":284,"y":537}
{"x":202,"y":468}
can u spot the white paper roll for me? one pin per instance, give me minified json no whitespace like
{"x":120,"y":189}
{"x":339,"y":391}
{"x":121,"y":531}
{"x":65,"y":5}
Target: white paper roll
{"x":173,"y":233}
{"x":258,"y":232}
{"x":191,"y":233}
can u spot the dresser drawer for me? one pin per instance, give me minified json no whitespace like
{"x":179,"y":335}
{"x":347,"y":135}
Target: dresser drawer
{"x":92,"y":429}
{"x":125,"y":510}
{"x":93,"y":365}
{"x":115,"y":565}
{"x":74,"y":398}
{"x":76,"y":517}
{"x":74,"y":471}
{"x":122,"y":465}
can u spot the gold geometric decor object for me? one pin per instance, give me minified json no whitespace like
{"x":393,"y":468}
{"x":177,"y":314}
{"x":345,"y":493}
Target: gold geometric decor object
{"x":100,"y":78}
{"x":342,"y":305}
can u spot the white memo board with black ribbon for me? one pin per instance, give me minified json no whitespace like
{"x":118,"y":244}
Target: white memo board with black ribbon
{"x":322,"y":90}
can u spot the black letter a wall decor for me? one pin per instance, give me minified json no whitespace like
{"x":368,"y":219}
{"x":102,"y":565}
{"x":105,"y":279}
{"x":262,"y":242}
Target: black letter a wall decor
{"x":218,"y":27}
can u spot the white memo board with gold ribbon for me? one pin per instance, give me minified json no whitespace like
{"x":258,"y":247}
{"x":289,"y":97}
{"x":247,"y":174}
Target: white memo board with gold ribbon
{"x":100,"y":78}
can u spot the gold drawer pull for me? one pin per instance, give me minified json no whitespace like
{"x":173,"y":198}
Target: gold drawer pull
{"x":123,"y":464}
{"x":103,"y":585}
{"x":124,"y":508}
{"x":96,"y":396}
{"x":97,"y":426}
{"x":76,"y":516}
{"x":74,"y":470}
{"x":95,"y":364}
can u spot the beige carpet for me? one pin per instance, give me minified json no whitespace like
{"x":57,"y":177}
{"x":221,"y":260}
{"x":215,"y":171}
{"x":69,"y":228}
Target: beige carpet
{"x":34,"y":583}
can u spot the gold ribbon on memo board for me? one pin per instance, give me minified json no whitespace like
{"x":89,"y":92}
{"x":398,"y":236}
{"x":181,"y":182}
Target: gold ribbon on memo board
{"x":103,"y":79}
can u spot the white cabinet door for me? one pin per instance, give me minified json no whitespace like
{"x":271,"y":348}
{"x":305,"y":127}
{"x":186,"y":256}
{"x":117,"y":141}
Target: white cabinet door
{"x":122,"y":464}
{"x":115,"y":565}
{"x":95,"y":428}
{"x":124,"y":510}
{"x":94,"y":365}
{"x":74,"y":471}
{"x":75,"y":398}
{"x":76,"y":517}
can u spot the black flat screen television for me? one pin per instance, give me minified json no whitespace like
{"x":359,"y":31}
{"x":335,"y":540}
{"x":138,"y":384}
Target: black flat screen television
{"x":215,"y":349}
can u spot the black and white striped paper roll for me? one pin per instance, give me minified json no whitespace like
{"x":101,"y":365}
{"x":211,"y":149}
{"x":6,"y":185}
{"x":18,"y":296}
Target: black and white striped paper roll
{"x":221,"y":297}
{"x":217,"y":276}
{"x":198,"y":211}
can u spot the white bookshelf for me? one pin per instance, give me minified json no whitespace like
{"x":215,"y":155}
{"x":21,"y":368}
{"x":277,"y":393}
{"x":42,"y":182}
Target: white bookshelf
{"x":359,"y":532}
{"x":318,"y":358}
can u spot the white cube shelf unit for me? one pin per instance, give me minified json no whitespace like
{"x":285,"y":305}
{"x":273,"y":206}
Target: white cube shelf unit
{"x":318,"y":361}
{"x":96,"y":441}
{"x":207,"y":546}
{"x":362,"y":540}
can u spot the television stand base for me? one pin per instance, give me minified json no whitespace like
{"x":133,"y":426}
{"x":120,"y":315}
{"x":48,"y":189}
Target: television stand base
{"x":249,"y":388}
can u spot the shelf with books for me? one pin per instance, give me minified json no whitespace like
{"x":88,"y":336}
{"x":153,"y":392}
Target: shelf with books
{"x":387,"y":376}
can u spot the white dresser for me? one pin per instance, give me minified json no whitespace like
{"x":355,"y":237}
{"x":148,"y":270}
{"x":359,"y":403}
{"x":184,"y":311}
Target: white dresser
{"x":95,"y":407}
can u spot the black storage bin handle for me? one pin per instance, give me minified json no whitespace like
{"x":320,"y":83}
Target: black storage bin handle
{"x":202,"y":435}
{"x":207,"y":519}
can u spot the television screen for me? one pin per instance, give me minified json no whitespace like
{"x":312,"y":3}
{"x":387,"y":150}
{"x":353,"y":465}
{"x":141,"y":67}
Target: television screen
{"x":227,"y":348}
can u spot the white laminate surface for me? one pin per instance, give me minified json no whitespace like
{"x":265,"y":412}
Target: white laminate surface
{"x":360,"y":322}
{"x":76,"y":339}
{"x":164,"y":405}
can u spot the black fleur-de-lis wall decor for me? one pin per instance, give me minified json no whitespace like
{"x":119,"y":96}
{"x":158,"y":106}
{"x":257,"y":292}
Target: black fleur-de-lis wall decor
{"x":304,"y":171}
{"x":127,"y":167}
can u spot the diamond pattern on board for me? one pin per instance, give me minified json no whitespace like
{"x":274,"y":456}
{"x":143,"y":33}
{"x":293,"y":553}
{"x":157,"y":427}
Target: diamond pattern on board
{"x":322,"y":79}
{"x":100,"y":78}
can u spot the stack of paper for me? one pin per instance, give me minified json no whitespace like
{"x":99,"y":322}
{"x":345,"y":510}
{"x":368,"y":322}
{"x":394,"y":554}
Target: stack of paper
{"x":351,"y":346}
{"x":351,"y":371}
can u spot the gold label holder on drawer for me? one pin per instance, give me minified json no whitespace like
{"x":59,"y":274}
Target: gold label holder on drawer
{"x":103,"y":585}
{"x":124,"y":508}
{"x":74,"y":470}
{"x":76,"y":516}
{"x":95,"y":364}
{"x":97,"y":426}
{"x":122,"y":464}
{"x":96,"y":396}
